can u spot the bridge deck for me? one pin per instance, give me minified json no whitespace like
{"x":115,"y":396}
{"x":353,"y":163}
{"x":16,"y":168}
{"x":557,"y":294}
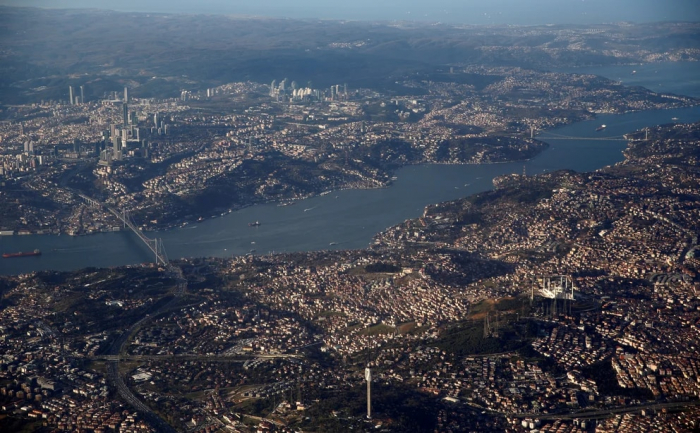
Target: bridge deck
{"x":152,"y":244}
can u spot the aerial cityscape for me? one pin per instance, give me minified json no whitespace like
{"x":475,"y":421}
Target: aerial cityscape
{"x":228,"y":223}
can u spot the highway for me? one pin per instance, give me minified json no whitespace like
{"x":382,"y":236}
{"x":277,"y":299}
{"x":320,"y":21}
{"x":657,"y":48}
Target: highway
{"x":223,"y":357}
{"x":590,"y":414}
{"x":113,"y":355}
{"x":607,"y":413}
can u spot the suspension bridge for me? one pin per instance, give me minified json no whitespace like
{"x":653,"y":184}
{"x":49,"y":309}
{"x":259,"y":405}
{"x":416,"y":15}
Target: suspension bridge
{"x":115,"y":378}
{"x":547,"y":135}
{"x":155,"y":245}
{"x":551,"y":136}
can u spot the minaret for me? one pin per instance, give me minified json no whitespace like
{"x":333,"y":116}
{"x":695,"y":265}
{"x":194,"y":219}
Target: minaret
{"x":368,"y":378}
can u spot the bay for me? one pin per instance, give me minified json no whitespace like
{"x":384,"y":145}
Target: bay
{"x":349,"y":219}
{"x":681,"y":78}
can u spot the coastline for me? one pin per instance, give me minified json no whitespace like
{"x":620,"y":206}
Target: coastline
{"x":284,"y":202}
{"x":371,"y":184}
{"x":351,"y":222}
{"x":290,"y":201}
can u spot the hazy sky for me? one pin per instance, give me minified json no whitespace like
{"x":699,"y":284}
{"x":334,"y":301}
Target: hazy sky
{"x":523,"y":12}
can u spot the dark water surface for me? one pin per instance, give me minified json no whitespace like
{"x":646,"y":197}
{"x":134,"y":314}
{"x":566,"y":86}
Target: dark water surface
{"x":349,"y":218}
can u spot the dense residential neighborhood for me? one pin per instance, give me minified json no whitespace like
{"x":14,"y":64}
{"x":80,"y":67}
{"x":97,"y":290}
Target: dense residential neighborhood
{"x":470,"y":328}
{"x":386,"y":226}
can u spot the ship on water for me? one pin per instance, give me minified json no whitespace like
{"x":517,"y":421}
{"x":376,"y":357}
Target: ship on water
{"x":255,"y":224}
{"x":21,"y":254}
{"x":600,"y":128}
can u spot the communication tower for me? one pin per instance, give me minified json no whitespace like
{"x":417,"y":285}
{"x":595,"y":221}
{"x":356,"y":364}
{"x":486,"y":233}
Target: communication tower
{"x":368,"y":378}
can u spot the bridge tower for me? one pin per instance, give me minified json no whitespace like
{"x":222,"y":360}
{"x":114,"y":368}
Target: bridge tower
{"x":157,"y":245}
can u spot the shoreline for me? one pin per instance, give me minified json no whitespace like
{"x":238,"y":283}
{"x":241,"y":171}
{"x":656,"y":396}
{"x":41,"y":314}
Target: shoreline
{"x":237,"y":239}
{"x":280,"y":203}
{"x":391,"y":173}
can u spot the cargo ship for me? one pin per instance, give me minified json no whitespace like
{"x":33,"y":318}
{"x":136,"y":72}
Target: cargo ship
{"x":21,"y":254}
{"x":600,"y":128}
{"x":255,"y":224}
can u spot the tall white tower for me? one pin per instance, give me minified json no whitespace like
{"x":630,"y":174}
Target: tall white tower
{"x":368,"y":378}
{"x":70,"y":91}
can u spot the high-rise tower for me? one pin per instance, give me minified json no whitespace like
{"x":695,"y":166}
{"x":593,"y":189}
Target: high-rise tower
{"x":125,"y":113}
{"x":70,"y":91}
{"x":126,"y":95}
{"x":82,"y":94}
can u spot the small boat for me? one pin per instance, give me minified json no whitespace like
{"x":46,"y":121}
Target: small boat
{"x":600,"y":128}
{"x":333,"y":243}
{"x":255,"y":224}
{"x":675,"y":119}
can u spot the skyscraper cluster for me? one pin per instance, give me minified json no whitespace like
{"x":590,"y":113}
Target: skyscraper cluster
{"x":75,"y":99}
{"x":29,"y":147}
{"x":338,"y":93}
{"x":294,"y":93}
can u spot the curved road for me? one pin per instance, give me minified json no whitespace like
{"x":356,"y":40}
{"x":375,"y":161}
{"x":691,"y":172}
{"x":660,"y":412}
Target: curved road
{"x":113,"y":366}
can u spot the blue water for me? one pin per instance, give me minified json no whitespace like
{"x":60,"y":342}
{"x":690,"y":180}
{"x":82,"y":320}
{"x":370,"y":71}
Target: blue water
{"x":682,"y":78}
{"x":348,"y":218}
{"x":510,"y":12}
